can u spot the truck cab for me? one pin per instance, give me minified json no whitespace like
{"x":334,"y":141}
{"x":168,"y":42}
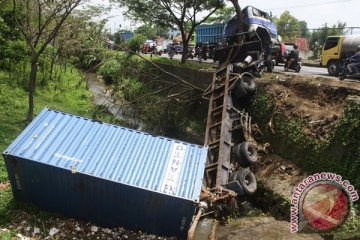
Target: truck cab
{"x":335,"y":49}
{"x":259,"y":39}
{"x":254,"y":20}
{"x":330,"y":55}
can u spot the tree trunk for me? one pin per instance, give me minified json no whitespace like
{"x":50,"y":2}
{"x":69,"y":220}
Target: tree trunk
{"x":239,"y":16}
{"x":53,"y":56}
{"x":184,"y":42}
{"x":32,"y":83}
{"x":185,"y":51}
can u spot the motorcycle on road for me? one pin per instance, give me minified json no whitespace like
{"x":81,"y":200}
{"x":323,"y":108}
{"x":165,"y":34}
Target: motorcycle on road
{"x":344,"y":72}
{"x":295,"y":65}
{"x":171,"y":53}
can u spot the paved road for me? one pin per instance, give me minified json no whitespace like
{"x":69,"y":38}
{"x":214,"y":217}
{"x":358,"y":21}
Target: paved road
{"x":305,"y":70}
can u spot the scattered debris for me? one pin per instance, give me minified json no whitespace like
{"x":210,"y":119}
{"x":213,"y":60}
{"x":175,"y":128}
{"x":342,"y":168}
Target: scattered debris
{"x":106,"y":230}
{"x":94,"y":228}
{"x":21,"y":237}
{"x":35,"y":231}
{"x":26,"y":225}
{"x":53,"y":231}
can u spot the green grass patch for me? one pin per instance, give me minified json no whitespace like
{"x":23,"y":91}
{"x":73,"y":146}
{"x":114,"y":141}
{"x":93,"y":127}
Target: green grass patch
{"x":69,"y":94}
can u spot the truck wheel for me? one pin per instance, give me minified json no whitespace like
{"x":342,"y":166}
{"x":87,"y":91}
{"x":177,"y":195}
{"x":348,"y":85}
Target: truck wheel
{"x":237,"y":156}
{"x":248,"y":82}
{"x":245,"y":154}
{"x":239,"y":91}
{"x":333,"y":68}
{"x":248,"y":151}
{"x":246,"y":178}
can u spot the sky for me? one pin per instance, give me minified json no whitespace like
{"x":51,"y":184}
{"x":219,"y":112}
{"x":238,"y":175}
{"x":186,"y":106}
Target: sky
{"x":315,"y":13}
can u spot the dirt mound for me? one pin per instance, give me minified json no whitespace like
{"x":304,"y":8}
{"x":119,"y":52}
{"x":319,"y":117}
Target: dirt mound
{"x":318,"y":102}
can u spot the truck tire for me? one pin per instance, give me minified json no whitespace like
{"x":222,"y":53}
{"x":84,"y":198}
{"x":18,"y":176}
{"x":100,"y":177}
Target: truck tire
{"x":246,"y":178}
{"x":333,"y":68}
{"x":245,"y":154}
{"x":239,"y":90}
{"x":237,"y":155}
{"x":249,"y":152}
{"x":248,"y":82}
{"x":245,"y":86}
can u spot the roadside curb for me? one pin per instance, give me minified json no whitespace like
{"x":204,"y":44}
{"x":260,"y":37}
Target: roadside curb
{"x":312,"y":65}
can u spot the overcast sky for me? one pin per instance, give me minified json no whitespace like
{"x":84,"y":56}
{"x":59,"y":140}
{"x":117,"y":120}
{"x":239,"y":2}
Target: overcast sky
{"x":315,"y":13}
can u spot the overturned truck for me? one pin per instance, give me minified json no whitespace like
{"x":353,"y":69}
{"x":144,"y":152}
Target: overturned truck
{"x":232,"y":150}
{"x":252,"y":47}
{"x":239,"y":56}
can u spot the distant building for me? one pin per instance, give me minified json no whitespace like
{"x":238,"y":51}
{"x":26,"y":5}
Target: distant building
{"x":303,"y":47}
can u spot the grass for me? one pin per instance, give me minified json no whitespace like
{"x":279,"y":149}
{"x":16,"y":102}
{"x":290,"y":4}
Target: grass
{"x":69,"y":94}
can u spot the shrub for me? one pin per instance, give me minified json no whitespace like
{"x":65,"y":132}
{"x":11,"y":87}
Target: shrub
{"x":108,"y":70}
{"x":136,"y":42}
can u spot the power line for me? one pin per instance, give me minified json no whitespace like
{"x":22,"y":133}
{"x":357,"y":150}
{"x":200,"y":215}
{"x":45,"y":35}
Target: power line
{"x":329,"y":28}
{"x":311,"y":4}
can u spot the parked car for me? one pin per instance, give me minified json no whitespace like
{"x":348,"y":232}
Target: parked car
{"x":178,"y":48}
{"x":148,"y":46}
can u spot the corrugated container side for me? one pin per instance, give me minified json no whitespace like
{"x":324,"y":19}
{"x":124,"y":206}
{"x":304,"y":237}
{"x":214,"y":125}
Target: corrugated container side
{"x":209,"y":32}
{"x":102,"y":202}
{"x":106,"y":174}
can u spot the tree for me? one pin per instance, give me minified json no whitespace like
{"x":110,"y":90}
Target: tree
{"x":288,"y":27}
{"x":304,"y":31}
{"x":80,"y":38}
{"x":170,"y":13}
{"x":222,"y":15}
{"x":136,"y":42}
{"x":39,"y":22}
{"x":318,"y":37}
{"x":151,"y":31}
{"x":239,"y":15}
{"x":12,"y":49}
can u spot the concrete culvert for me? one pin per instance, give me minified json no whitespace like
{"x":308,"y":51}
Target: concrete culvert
{"x":246,"y":178}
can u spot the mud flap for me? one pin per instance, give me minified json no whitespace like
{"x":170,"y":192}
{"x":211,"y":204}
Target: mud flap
{"x":235,"y":186}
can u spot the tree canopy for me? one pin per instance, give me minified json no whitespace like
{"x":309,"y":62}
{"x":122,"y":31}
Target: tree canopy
{"x":222,"y":15}
{"x":150,"y":31}
{"x":40,"y":22}
{"x":318,"y":37}
{"x":288,"y":27}
{"x":172,"y":13}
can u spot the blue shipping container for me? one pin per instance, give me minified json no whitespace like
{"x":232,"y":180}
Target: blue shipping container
{"x":126,"y":36}
{"x":106,"y":174}
{"x":210,"y":33}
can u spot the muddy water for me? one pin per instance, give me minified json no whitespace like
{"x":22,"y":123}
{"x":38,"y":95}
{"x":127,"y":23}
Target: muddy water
{"x":252,"y":228}
{"x":102,"y":97}
{"x":265,"y":228}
